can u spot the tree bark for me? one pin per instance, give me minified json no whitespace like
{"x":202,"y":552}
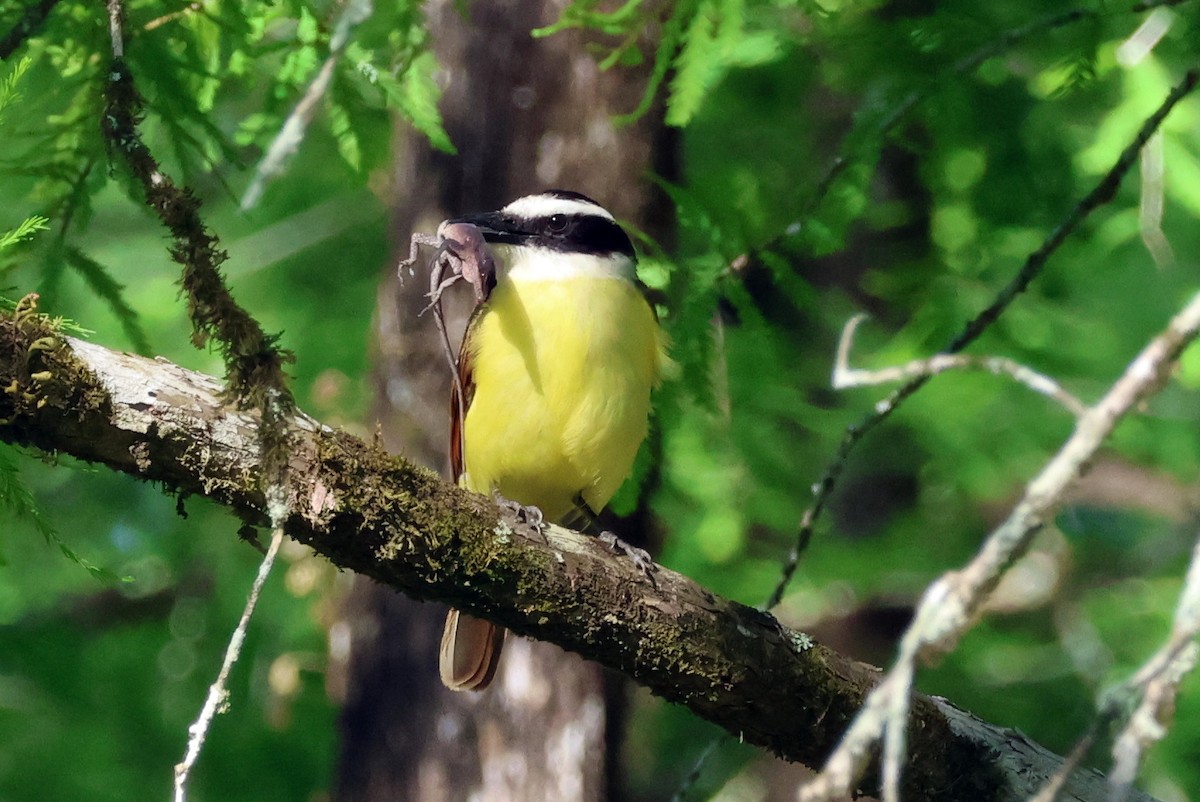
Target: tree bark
{"x":400,"y":525}
{"x":525,"y":114}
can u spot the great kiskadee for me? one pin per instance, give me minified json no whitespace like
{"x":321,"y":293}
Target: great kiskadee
{"x":556,"y":370}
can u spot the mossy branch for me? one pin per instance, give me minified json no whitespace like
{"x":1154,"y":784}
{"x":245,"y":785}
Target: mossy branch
{"x":253,"y":360}
{"x":377,"y":514}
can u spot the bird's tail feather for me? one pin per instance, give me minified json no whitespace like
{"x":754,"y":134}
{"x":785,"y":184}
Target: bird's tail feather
{"x":470,"y":652}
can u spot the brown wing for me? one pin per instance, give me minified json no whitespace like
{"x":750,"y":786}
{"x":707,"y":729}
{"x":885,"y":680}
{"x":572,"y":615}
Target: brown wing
{"x":459,"y":404}
{"x":471,"y":647}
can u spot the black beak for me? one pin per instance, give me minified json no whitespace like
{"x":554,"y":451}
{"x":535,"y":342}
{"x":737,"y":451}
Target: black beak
{"x":495,"y":227}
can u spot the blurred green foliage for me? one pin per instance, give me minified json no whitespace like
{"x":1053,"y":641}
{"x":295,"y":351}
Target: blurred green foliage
{"x":966,"y":132}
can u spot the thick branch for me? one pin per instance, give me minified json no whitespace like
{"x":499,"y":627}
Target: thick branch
{"x":380,"y":516}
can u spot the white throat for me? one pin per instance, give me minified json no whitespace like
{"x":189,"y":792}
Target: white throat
{"x":525,"y":263}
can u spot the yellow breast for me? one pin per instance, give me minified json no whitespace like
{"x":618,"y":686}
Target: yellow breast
{"x":563,"y":371}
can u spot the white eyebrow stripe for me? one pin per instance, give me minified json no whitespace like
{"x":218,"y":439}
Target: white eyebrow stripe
{"x":534,"y":206}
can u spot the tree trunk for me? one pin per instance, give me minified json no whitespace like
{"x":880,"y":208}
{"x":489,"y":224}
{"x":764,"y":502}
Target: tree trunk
{"x":525,"y":114}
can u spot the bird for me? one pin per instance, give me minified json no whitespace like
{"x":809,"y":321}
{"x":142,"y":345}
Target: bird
{"x":555,"y":376}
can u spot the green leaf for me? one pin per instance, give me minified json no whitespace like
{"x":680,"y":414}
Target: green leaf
{"x":582,"y":14}
{"x":344,"y":135}
{"x":17,"y":499}
{"x":8,"y":84}
{"x":416,"y":94}
{"x":308,"y":29}
{"x":755,"y":49}
{"x":697,"y":67}
{"x":105,"y":286}
{"x":668,"y":46}
{"x":25,"y":230}
{"x":716,"y":39}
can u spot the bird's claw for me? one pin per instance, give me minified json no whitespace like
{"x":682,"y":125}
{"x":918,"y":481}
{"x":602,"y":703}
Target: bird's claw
{"x":528,"y":515}
{"x":640,"y":557}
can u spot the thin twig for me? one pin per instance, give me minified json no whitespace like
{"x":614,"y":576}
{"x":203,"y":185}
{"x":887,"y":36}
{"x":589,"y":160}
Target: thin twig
{"x":693,"y":776}
{"x":822,"y":490}
{"x":952,"y":603}
{"x":253,"y":362}
{"x":158,"y":22}
{"x":1157,"y":681}
{"x":1150,"y":211}
{"x":905,"y":106}
{"x":1102,"y":193}
{"x":214,"y":703}
{"x":291,"y":133}
{"x":1148,"y":724}
{"x":845,"y":377}
{"x":899,"y":112}
{"x":274,"y":447}
{"x":1053,"y":787}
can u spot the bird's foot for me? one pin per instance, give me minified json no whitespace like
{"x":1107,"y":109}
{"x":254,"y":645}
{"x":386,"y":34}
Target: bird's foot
{"x":528,"y":515}
{"x":640,"y":557}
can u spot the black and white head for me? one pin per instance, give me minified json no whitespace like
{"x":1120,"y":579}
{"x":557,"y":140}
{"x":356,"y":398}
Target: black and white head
{"x":554,"y":235}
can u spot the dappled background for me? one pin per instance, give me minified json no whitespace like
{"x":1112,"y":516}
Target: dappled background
{"x":832,"y":159}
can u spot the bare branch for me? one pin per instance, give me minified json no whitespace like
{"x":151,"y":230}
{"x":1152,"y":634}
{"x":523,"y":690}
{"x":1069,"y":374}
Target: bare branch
{"x":217,"y":692}
{"x":1101,"y":194}
{"x":116,"y":24}
{"x":845,"y":377}
{"x":1149,"y":721}
{"x":1057,"y":782}
{"x":1142,"y":42}
{"x":1150,"y":211}
{"x":1157,"y":682}
{"x":952,"y":603}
